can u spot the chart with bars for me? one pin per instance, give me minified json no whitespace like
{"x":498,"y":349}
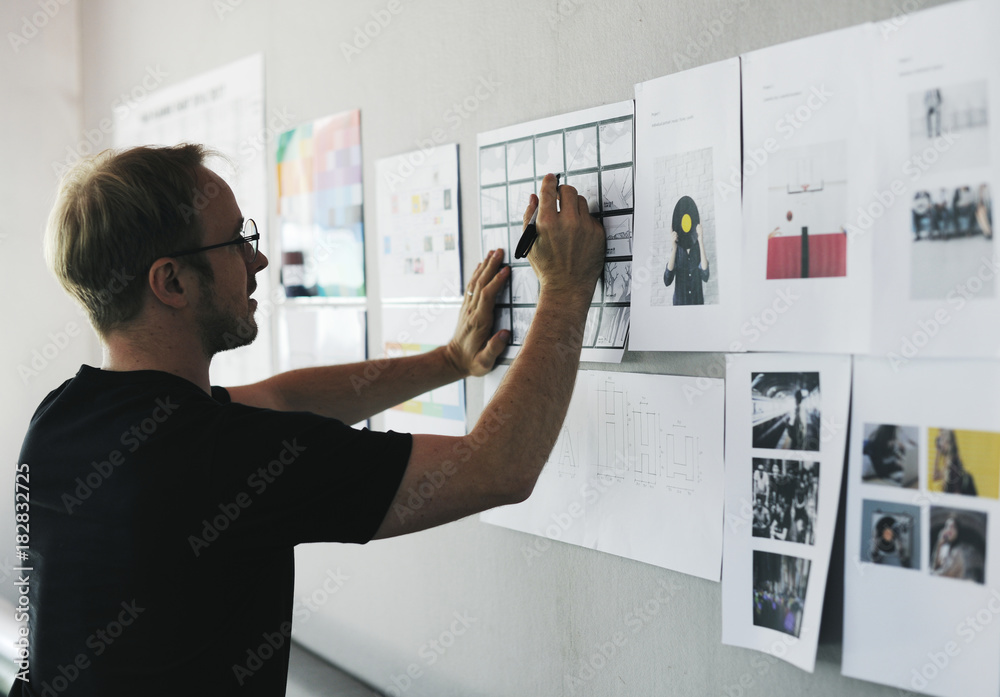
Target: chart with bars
{"x":591,"y":150}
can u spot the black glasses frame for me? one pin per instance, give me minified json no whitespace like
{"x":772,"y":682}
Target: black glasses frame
{"x":252,"y":239}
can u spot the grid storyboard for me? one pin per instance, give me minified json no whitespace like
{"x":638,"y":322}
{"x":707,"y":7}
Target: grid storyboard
{"x":592,"y":150}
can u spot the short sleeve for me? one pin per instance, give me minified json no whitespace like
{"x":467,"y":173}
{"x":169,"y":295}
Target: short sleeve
{"x":300,"y":477}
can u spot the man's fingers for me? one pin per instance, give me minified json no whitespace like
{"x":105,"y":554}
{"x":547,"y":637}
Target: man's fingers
{"x":487,"y":358}
{"x":582,"y":206}
{"x":547,"y":194}
{"x":477,"y":271}
{"x":529,"y":211}
{"x":491,"y":289}
{"x":485,"y":270}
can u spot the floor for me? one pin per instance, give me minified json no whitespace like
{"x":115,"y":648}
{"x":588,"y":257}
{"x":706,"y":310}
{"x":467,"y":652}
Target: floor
{"x":308,"y":676}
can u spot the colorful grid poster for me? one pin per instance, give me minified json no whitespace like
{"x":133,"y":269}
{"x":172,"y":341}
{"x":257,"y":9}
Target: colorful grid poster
{"x":320,"y":208}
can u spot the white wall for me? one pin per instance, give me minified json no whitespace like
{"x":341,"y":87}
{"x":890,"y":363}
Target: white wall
{"x":534,"y":621}
{"x":40,"y":118}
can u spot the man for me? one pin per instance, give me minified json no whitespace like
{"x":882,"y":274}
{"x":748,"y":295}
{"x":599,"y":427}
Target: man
{"x":164,"y":511}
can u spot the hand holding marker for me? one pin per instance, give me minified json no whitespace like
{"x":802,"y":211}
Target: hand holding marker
{"x":530,"y":233}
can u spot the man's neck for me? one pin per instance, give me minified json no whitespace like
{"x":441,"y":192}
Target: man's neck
{"x":183,"y":359}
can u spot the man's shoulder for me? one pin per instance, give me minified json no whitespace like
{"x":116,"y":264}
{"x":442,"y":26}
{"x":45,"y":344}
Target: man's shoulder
{"x":94,"y":394}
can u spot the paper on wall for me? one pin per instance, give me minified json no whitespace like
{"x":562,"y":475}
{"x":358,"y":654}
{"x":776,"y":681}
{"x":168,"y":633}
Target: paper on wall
{"x":786,"y":426}
{"x":222,"y":109}
{"x":936,"y":287}
{"x":808,"y":168}
{"x":638,"y":456}
{"x":418,"y":225}
{"x":922,"y":575}
{"x":592,"y":149}
{"x":408,"y":330}
{"x":688,"y":136}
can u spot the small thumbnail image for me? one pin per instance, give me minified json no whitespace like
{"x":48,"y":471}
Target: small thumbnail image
{"x":779,"y":591}
{"x":958,"y":543}
{"x":950,"y":123}
{"x":786,"y":411}
{"x":952,"y":213}
{"x":963,"y":462}
{"x":890,"y":534}
{"x":890,"y":455}
{"x":785,"y":496}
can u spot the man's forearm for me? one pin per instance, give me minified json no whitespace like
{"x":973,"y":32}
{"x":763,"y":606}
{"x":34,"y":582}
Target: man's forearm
{"x":524,"y":417}
{"x":355,"y":391}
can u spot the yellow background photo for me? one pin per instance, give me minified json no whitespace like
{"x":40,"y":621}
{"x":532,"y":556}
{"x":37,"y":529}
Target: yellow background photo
{"x":980,"y":455}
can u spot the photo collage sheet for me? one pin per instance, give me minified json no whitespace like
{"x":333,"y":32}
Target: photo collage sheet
{"x":420,"y":276}
{"x":940,"y":159}
{"x":922,"y":571}
{"x":786,"y":429}
{"x":591,"y":150}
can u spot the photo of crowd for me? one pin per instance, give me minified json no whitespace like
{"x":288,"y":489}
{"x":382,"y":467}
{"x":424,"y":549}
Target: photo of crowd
{"x":952,"y":212}
{"x":779,"y":591}
{"x":785,"y":495}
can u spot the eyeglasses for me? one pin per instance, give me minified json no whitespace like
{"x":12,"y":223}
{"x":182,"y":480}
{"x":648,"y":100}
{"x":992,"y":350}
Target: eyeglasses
{"x":249,"y":240}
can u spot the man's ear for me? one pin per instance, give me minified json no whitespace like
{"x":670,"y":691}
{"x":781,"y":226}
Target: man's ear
{"x":170,"y":283}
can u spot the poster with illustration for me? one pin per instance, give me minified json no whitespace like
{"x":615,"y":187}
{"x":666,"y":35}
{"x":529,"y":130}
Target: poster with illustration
{"x":685,"y":280}
{"x":808,"y":170}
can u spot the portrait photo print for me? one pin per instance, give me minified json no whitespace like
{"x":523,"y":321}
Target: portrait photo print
{"x":958,"y":544}
{"x":890,"y":455}
{"x":890,"y":534}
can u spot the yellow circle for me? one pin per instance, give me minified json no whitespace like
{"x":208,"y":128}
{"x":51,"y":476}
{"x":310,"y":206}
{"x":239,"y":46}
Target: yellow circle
{"x":686,"y":223}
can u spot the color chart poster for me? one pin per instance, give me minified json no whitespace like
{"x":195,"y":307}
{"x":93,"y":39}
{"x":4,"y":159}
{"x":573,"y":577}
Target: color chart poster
{"x":320,"y":208}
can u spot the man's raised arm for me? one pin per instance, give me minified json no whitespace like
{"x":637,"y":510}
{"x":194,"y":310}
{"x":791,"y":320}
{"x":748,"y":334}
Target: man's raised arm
{"x":500,"y":460}
{"x":353,"y":392}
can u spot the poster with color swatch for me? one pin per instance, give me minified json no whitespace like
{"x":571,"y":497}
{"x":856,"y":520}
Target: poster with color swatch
{"x":320,"y":208}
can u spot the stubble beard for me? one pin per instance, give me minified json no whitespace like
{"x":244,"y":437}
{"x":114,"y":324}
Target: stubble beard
{"x":221,"y":330}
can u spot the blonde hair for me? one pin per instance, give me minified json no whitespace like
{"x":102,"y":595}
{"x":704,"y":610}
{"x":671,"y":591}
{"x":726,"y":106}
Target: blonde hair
{"x":117,"y":213}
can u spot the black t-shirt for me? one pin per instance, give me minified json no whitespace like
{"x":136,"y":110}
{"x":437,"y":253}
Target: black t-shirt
{"x":162,"y":526}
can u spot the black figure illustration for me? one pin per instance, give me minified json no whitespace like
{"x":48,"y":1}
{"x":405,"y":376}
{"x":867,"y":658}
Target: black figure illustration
{"x":687,"y":262}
